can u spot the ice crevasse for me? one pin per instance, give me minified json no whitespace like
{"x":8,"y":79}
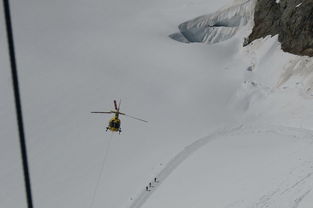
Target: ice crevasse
{"x":218,"y":26}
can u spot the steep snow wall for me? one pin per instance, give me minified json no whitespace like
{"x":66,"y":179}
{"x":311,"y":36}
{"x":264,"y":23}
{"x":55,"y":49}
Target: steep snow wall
{"x":216,"y":27}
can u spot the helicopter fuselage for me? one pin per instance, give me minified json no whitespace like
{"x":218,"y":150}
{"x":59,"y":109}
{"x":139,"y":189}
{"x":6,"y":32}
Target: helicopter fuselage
{"x":114,"y":124}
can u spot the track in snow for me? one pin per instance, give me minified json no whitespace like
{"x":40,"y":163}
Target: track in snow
{"x":174,"y":162}
{"x":143,"y":195}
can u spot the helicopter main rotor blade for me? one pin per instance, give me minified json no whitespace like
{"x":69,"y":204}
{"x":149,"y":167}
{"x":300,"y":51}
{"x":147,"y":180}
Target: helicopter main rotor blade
{"x":115,"y":105}
{"x":133,"y":117}
{"x":119,"y":105}
{"x":100,"y":112}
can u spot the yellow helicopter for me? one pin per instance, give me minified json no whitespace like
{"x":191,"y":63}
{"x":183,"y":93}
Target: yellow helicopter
{"x":115,"y":122}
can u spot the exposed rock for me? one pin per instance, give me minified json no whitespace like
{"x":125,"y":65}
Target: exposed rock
{"x":266,"y":16}
{"x":292,"y":20}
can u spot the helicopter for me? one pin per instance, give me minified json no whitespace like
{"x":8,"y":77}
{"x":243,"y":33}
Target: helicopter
{"x":115,"y":122}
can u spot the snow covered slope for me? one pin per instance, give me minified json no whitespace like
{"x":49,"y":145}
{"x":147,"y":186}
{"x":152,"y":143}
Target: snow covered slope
{"x":91,"y":53}
{"x":253,"y":166}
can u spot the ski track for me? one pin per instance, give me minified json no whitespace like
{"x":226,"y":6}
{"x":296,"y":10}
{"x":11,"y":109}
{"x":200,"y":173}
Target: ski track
{"x":141,"y":198}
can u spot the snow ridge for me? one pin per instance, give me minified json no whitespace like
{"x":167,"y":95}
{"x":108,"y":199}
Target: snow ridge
{"x":216,"y":27}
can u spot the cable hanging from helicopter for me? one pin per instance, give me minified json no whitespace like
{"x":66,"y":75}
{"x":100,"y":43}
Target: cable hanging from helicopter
{"x":115,"y":122}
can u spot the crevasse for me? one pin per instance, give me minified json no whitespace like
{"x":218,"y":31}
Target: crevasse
{"x":218,"y":26}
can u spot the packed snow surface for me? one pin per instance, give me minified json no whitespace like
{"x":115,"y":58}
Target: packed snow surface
{"x":263,"y":166}
{"x":228,"y":126}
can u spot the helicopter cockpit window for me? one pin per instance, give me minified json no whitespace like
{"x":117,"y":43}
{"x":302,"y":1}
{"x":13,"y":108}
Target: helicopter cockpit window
{"x":115,"y":124}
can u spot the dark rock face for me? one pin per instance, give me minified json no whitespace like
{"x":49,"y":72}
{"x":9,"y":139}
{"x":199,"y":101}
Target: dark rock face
{"x":292,"y":20}
{"x":266,"y":16}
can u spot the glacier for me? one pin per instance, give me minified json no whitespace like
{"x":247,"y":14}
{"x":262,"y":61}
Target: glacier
{"x":219,"y":26}
{"x":229,"y":126}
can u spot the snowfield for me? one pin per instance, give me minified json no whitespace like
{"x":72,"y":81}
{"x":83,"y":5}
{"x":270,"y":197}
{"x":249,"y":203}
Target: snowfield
{"x":263,"y":166}
{"x":228,"y":126}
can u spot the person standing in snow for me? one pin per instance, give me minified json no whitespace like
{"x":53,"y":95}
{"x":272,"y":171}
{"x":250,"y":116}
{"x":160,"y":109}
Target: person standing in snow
{"x":147,"y":188}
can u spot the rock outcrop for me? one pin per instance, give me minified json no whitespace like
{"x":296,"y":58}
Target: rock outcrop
{"x":292,"y":20}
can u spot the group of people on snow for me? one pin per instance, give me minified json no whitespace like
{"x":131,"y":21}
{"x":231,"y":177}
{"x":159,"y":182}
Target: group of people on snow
{"x":155,"y":180}
{"x":150,"y":184}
